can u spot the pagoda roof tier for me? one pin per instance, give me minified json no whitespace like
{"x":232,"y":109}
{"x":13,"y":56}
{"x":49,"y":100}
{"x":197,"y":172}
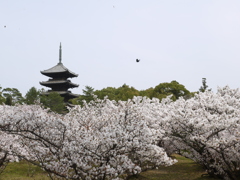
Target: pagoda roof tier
{"x":57,"y":70}
{"x":51,"y":83}
{"x":62,"y":93}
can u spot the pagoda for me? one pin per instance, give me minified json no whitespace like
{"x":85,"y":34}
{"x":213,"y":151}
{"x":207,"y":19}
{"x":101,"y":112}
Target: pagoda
{"x":59,"y":81}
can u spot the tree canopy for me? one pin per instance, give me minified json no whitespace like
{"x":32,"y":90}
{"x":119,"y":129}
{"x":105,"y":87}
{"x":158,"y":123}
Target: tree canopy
{"x":32,"y":96}
{"x":123,"y":93}
{"x":204,"y":86}
{"x":53,"y":101}
{"x":126,"y":92}
{"x":173,"y":88}
{"x":2,"y":99}
{"x":12,"y":96}
{"x":87,"y":96}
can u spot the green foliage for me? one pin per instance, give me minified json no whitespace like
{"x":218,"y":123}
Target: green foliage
{"x":9,"y":101}
{"x":110,"y":92}
{"x":88,"y":95}
{"x":23,"y":170}
{"x":123,"y":93}
{"x":174,"y":88}
{"x":148,"y":92}
{"x":13,"y":96}
{"x":2,"y":99}
{"x":32,"y":96}
{"x":126,"y":92}
{"x":204,"y":86}
{"x":184,"y":169}
{"x":53,"y":101}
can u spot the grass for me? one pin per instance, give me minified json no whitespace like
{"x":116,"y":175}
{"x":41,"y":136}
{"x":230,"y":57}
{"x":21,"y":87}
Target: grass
{"x":185,"y":169}
{"x":23,"y":171}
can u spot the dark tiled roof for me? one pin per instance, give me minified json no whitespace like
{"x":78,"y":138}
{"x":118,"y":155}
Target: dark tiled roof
{"x":58,"y":82}
{"x":68,"y":93}
{"x":59,"y":68}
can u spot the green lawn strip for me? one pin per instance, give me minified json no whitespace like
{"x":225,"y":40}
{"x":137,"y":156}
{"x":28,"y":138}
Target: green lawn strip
{"x":185,"y":169}
{"x":23,"y":171}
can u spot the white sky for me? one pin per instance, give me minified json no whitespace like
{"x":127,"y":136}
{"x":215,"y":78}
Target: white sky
{"x":182,"y":40}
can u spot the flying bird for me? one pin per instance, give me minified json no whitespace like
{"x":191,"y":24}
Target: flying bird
{"x":5,"y":26}
{"x":137,"y":60}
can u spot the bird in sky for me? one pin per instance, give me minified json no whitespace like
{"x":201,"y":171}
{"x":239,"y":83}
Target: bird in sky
{"x":137,"y":60}
{"x":5,"y":26}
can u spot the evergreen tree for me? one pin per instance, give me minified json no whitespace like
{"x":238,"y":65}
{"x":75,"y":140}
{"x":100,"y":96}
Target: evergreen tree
{"x":2,"y":99}
{"x":204,"y":86}
{"x":13,"y":95}
{"x":54,"y":101}
{"x":9,"y":101}
{"x":88,"y":95}
{"x":32,"y":96}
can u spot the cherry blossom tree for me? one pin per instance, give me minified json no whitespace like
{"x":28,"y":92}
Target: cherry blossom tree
{"x":38,"y":134}
{"x":117,"y":131}
{"x":102,"y":140}
{"x":206,"y":129}
{"x":5,"y":152}
{"x":106,"y":139}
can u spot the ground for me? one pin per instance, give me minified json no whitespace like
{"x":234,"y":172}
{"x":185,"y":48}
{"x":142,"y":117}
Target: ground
{"x":185,"y":169}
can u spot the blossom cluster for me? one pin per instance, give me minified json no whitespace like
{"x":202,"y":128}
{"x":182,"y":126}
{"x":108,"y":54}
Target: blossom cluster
{"x":106,"y":139}
{"x":101,"y":140}
{"x":206,"y":128}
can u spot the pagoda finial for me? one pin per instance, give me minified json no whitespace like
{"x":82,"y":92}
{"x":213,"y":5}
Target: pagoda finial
{"x":60,"y":54}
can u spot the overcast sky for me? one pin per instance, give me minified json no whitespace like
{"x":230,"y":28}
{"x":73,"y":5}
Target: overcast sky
{"x":182,"y":40}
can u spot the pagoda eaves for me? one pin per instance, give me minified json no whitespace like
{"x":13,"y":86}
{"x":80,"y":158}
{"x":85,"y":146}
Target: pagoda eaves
{"x":51,"y":83}
{"x":69,"y":94}
{"x":59,"y":70}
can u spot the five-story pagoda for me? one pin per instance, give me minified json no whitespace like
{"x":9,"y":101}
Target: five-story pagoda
{"x":59,"y":81}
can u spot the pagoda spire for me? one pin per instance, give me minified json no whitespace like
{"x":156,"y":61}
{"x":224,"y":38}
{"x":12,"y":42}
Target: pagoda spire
{"x":60,"y":53}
